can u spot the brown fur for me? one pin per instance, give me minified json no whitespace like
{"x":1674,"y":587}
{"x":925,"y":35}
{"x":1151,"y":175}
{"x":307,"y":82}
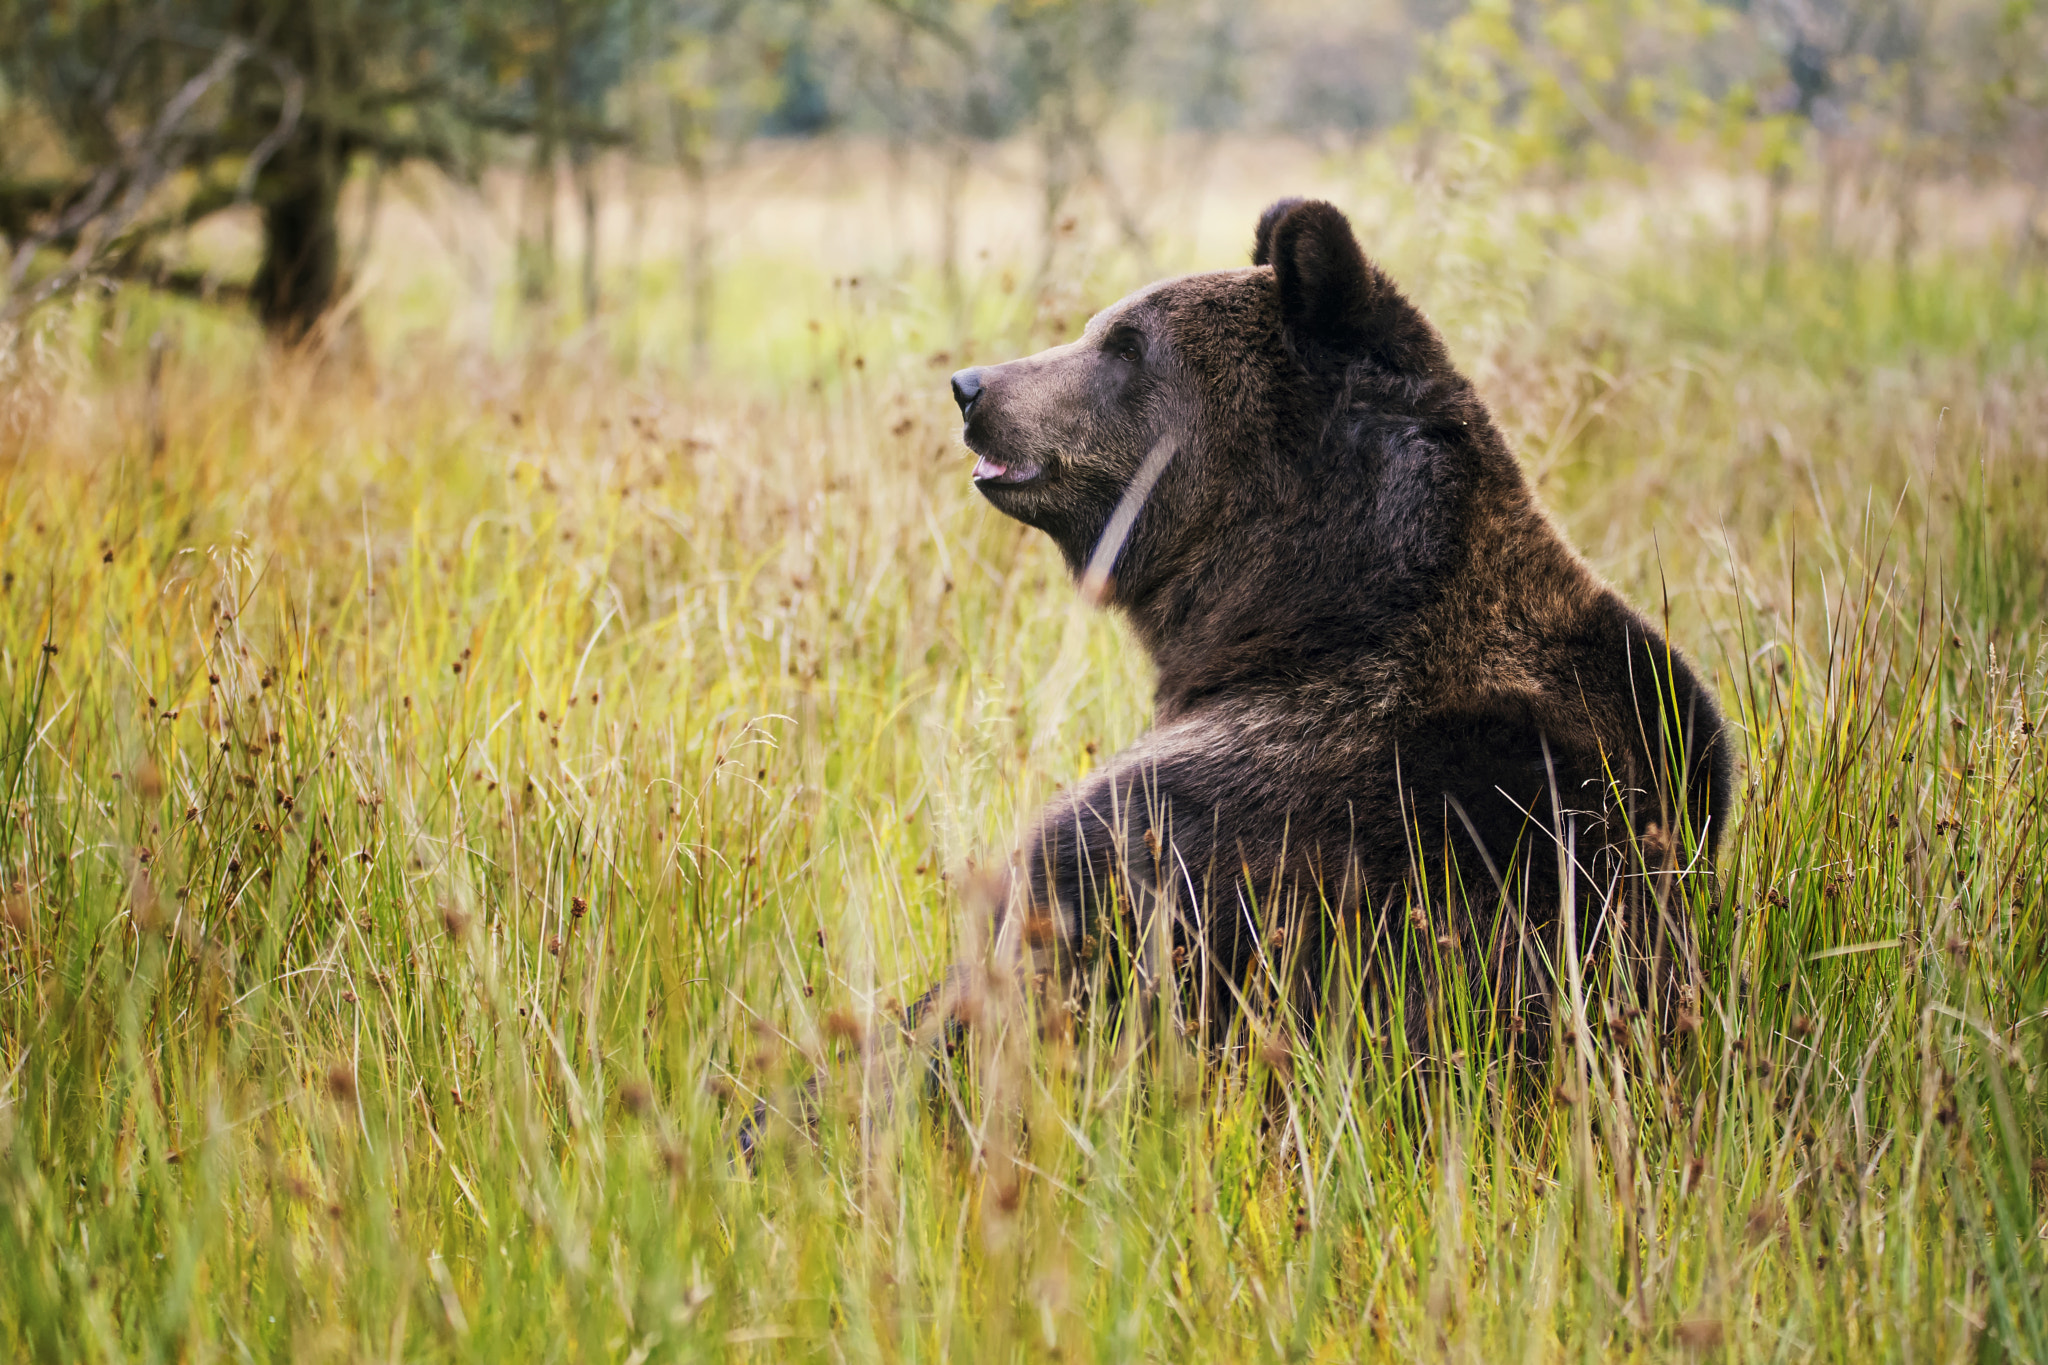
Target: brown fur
{"x":1388,"y":691}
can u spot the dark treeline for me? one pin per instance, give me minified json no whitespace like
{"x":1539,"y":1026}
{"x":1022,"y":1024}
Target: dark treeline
{"x":129,"y":120}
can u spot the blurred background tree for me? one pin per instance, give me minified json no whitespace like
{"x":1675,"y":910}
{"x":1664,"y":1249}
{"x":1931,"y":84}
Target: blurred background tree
{"x":1573,"y":89}
{"x":149,"y":117}
{"x":142,"y":118}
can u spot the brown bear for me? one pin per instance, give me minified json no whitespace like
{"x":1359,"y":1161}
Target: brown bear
{"x":1399,"y":723}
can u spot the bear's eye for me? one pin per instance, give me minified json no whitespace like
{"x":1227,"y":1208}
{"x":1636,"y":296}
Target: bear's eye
{"x":1127,"y":347}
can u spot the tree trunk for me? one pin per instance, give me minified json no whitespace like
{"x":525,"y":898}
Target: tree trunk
{"x":1055,"y":145}
{"x":301,"y":239}
{"x":2029,"y":239}
{"x":952,"y":189}
{"x":697,"y":276}
{"x":1775,"y":186}
{"x":582,"y":161}
{"x":534,"y":254}
{"x":1906,"y":203}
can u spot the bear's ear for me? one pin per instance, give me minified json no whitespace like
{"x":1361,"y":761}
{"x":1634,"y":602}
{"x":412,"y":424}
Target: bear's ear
{"x":1329,"y":293}
{"x":1262,"y":239}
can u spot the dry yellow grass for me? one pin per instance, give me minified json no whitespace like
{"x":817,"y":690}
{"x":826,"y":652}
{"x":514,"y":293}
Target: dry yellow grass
{"x":466,"y":774}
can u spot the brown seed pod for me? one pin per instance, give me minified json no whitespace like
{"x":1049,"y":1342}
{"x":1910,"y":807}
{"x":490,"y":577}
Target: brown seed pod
{"x":843,"y":1026}
{"x":341,"y":1084}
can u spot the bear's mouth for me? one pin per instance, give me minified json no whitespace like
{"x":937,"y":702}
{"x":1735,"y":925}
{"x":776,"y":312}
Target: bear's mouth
{"x":994,"y":471}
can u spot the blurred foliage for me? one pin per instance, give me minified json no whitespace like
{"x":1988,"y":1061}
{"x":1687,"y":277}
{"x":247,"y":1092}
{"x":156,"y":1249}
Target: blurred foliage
{"x":1873,"y":96}
{"x":1575,"y":88}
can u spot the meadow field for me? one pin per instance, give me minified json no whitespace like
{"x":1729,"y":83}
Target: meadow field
{"x":453,"y":769}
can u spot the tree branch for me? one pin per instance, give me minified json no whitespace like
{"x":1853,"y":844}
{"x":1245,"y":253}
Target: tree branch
{"x":95,"y":218}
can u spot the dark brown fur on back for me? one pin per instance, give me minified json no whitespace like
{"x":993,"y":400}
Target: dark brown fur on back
{"x":1388,"y":691}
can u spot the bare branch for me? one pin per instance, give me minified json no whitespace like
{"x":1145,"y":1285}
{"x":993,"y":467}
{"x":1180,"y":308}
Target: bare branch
{"x":145,"y":162}
{"x":294,"y":87}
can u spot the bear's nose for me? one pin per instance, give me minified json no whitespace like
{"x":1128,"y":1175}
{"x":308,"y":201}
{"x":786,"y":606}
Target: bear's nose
{"x":966,"y":388}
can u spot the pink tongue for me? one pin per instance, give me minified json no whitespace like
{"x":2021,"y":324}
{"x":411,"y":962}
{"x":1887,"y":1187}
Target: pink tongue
{"x":985,"y":468}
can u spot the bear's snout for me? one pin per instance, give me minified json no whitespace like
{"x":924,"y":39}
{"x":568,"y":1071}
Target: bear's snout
{"x":966,"y":388}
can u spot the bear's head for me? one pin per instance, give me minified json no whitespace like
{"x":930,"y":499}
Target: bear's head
{"x":1198,"y":406}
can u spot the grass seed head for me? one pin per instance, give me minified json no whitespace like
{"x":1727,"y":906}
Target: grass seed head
{"x":145,"y":907}
{"x":1277,"y":1052}
{"x":16,"y":909}
{"x":843,"y":1026}
{"x":1699,"y":1334}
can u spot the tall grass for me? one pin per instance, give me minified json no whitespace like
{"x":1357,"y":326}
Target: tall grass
{"x":443,"y":792}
